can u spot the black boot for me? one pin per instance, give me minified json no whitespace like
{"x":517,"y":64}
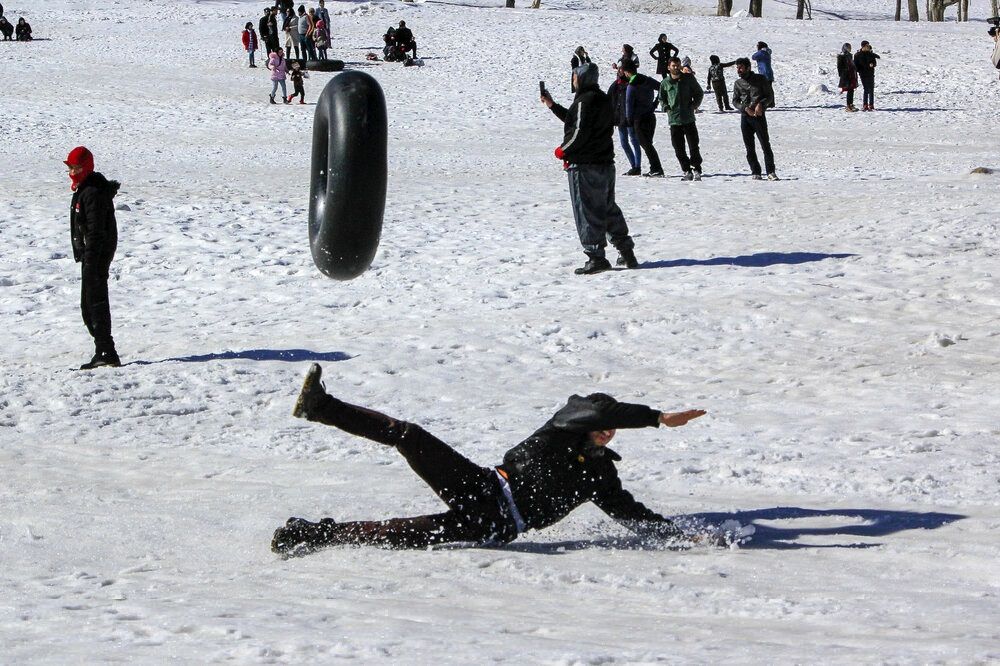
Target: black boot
{"x":627,"y":259}
{"x":594,"y":265}
{"x":312,"y":395}
{"x":298,"y":536}
{"x":105,"y":358}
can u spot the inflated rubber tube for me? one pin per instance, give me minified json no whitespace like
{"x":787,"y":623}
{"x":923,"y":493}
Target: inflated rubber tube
{"x":349,"y":174}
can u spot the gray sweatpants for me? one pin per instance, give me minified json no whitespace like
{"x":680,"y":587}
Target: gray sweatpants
{"x":598,"y":218}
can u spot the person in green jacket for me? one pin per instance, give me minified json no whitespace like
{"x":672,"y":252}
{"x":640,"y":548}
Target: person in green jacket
{"x":680,"y":95}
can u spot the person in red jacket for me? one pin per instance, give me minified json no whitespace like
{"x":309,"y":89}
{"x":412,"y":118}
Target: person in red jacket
{"x":94,"y":233}
{"x":564,"y":464}
{"x":250,"y":41}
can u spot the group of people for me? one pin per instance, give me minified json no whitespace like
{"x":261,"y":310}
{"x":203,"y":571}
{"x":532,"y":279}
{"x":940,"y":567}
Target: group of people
{"x":306,"y":32}
{"x":400,"y":45}
{"x":630,"y":105}
{"x":21,"y":32}
{"x":854,"y":67}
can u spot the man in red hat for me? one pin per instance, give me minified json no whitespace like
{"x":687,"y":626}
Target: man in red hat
{"x":94,"y":232}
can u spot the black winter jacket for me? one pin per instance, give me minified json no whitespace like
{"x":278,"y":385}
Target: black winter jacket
{"x":616,"y":95}
{"x":92,"y":225}
{"x":557,"y":469}
{"x":865,"y":62}
{"x":752,"y":88}
{"x":588,"y":124}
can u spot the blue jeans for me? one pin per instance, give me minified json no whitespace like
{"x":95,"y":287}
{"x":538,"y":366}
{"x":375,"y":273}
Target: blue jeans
{"x":630,"y":144}
{"x":284,"y":90}
{"x":597,"y":216}
{"x":303,"y":50}
{"x":251,"y":51}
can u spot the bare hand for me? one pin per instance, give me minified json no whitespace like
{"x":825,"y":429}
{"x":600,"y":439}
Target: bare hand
{"x":547,"y":101}
{"x":676,"y":419}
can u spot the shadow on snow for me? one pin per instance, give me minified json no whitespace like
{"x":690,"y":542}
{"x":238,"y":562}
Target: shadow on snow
{"x":759,"y":260}
{"x":287,"y":355}
{"x":866,"y":523}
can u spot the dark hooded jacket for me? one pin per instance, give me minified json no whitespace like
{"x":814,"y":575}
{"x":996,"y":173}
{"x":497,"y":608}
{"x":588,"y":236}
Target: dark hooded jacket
{"x":616,"y":94}
{"x":557,"y":469}
{"x":92,"y":225}
{"x":588,"y":122}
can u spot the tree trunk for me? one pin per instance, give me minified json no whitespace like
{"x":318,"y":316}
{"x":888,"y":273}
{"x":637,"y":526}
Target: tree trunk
{"x":913,"y":9}
{"x":996,"y":7}
{"x":756,"y":8}
{"x":725,"y":8}
{"x":800,"y":10}
{"x":899,"y":9}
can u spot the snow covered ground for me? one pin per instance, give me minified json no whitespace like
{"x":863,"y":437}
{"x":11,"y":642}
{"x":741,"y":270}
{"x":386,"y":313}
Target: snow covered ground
{"x":840,"y":326}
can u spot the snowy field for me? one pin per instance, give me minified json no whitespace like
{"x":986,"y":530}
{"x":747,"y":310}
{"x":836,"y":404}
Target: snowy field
{"x":841,"y":328}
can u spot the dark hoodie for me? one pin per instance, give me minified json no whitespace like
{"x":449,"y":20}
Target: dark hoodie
{"x":558,"y":468}
{"x":588,"y":122}
{"x":92,"y":224}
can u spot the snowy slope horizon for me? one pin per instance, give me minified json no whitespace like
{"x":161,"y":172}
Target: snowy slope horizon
{"x":839,"y":326}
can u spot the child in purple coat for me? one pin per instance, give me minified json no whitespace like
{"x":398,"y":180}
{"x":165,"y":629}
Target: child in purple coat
{"x":279,"y":68}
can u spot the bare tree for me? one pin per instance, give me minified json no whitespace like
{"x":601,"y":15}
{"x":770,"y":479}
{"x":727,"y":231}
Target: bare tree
{"x":756,"y":8}
{"x":996,"y":7}
{"x":804,"y":9}
{"x":913,"y":9}
{"x":899,"y":9}
{"x":726,"y":8}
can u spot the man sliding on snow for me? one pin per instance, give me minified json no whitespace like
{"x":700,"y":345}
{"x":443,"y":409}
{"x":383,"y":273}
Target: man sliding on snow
{"x":561,"y":466}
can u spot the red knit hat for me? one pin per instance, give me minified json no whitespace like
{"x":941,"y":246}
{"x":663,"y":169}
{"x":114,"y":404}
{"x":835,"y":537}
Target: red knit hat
{"x":80,"y":157}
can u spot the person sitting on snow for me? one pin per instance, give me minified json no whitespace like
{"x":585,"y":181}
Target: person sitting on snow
{"x":404,"y":39}
{"x":564,"y":464}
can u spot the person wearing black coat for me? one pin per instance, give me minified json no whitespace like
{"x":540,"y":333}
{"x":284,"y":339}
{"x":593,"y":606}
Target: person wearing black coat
{"x":640,"y":112}
{"x":6,"y":29}
{"x":264,"y":30}
{"x":663,"y":51}
{"x":848,"y":75}
{"x":865,"y":62}
{"x":23,"y":30}
{"x":94,"y":236}
{"x":588,"y":155}
{"x":561,"y":466}
{"x":580,"y":57}
{"x":626,"y":133}
{"x":753,"y":95}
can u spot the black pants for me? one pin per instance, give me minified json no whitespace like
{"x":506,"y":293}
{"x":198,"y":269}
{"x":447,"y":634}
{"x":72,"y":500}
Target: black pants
{"x":299,"y":90}
{"x":679,"y":134}
{"x":721,"y":95}
{"x":94,"y":303}
{"x":756,"y":127}
{"x":868,"y":99}
{"x":645,"y":128}
{"x":477,"y":510}
{"x":850,"y":97}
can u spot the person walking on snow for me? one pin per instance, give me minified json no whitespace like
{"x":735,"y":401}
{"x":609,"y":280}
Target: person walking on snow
{"x":682,"y":95}
{"x":563,"y":465}
{"x":94,"y":235}
{"x":640,"y":113}
{"x":626,"y":133}
{"x":848,"y":76}
{"x":279,"y":68}
{"x":250,"y":43}
{"x":297,"y":74}
{"x":865,"y":62}
{"x":751,"y":96}
{"x":588,"y":153}
{"x":663,"y":51}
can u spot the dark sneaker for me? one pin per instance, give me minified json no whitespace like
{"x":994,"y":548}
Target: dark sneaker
{"x":311,"y":395}
{"x":627,"y":259}
{"x":594,"y":265}
{"x":697,"y":175}
{"x":653,"y":174}
{"x":103,"y":359}
{"x":772,"y":176}
{"x":688,"y":175}
{"x":298,"y":536}
{"x":634,"y":171}
{"x":756,"y":176}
